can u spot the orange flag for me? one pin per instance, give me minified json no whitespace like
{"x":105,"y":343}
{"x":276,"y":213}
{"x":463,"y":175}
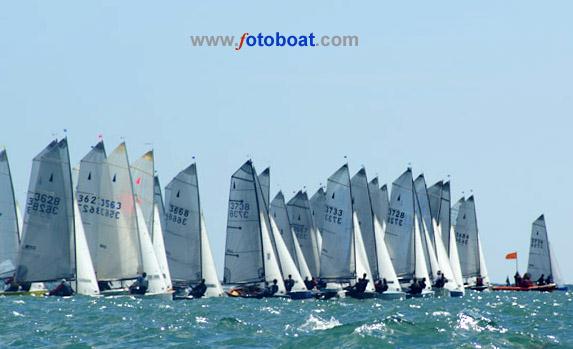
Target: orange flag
{"x":512,"y":255}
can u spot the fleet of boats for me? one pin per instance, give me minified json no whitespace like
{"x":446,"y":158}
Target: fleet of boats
{"x":105,"y":227}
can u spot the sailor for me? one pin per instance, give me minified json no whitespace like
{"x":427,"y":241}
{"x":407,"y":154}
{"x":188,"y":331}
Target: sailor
{"x":507,"y":283}
{"x":308,"y":283}
{"x":289,"y":283}
{"x":440,"y":281}
{"x":549,"y":279}
{"x":320,"y":284}
{"x":423,"y":283}
{"x":517,"y":279}
{"x":140,"y":285}
{"x":381,"y":286}
{"x":271,"y":290}
{"x":64,"y":289}
{"x":104,"y":285}
{"x":479,"y":281}
{"x":11,"y":285}
{"x":541,"y":280}
{"x":415,"y":287}
{"x":360,"y":286}
{"x":199,"y":290}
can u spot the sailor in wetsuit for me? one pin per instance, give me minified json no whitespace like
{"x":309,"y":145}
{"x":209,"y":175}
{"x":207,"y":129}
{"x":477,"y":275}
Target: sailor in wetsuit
{"x":140,"y":285}
{"x":64,"y":289}
{"x":308,"y":283}
{"x":199,"y":290}
{"x":381,"y":286}
{"x":271,"y":290}
{"x":289,"y":283}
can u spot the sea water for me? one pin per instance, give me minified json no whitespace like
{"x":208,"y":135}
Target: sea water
{"x":478,"y":320}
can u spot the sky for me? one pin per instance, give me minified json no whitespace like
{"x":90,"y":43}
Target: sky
{"x":480,"y":91}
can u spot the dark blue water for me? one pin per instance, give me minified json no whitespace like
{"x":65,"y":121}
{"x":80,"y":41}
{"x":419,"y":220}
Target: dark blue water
{"x":487,"y":320}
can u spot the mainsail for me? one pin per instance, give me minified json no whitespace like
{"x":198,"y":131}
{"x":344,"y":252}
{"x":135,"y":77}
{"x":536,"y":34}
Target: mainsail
{"x":399,"y":235}
{"x":317,"y":210}
{"x":539,"y":253}
{"x":467,"y":239}
{"x":265,"y":182}
{"x":300,"y":217}
{"x":337,"y":258}
{"x":9,"y":225}
{"x":47,"y":251}
{"x":376,"y":201}
{"x":183,"y":226}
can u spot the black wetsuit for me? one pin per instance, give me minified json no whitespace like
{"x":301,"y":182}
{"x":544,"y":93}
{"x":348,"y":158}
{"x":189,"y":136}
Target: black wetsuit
{"x":199,"y":290}
{"x":289,"y":283}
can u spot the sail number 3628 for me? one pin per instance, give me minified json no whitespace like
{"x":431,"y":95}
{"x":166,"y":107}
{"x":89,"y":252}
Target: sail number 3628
{"x":43,"y":203}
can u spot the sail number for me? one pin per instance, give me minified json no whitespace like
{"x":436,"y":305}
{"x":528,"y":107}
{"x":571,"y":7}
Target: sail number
{"x":177,"y":214}
{"x":238,"y":209}
{"x":396,"y":217}
{"x":43,"y":203}
{"x":536,"y":243}
{"x":95,"y":205}
{"x":333,"y":215}
{"x":300,"y":231}
{"x":462,"y":238}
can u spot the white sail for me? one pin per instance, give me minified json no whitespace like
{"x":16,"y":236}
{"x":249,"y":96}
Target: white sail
{"x":362,"y":265}
{"x":455,"y":259}
{"x":86,"y":282}
{"x":142,"y":175}
{"x":47,"y":251}
{"x":482,"y":266}
{"x":302,"y":266}
{"x":385,"y":202}
{"x":183,"y":226}
{"x":159,"y":246}
{"x":9,"y":220}
{"x":400,"y":229}
{"x":209,"y":272}
{"x":279,"y":212}
{"x":429,"y":252}
{"x":363,"y":209}
{"x":286,"y":261}
{"x":270,"y":260}
{"x":300,"y":217}
{"x":385,"y":266}
{"x":244,"y":257}
{"x":337,"y":258}
{"x":444,"y":262}
{"x":157,"y":283}
{"x":421,"y":272}
{"x":376,"y":201}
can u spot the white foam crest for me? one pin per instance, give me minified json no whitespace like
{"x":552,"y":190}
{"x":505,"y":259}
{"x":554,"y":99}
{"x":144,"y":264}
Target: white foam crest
{"x":316,"y":323}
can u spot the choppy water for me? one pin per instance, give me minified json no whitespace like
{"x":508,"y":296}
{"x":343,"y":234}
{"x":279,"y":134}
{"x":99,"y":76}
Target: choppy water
{"x":527,"y":320}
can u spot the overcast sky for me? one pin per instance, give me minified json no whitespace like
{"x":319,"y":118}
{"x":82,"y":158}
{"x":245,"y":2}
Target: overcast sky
{"x":479,"y":91}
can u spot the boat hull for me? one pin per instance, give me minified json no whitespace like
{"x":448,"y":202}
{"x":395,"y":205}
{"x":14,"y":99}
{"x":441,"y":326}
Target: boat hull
{"x":544,"y":288}
{"x":35,"y":293}
{"x":298,"y":295}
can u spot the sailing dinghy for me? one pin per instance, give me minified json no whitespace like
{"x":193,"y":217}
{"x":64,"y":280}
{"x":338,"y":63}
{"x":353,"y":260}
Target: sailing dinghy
{"x":403,"y":237}
{"x":251,"y":266}
{"x":53,"y":244}
{"x":186,"y":242}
